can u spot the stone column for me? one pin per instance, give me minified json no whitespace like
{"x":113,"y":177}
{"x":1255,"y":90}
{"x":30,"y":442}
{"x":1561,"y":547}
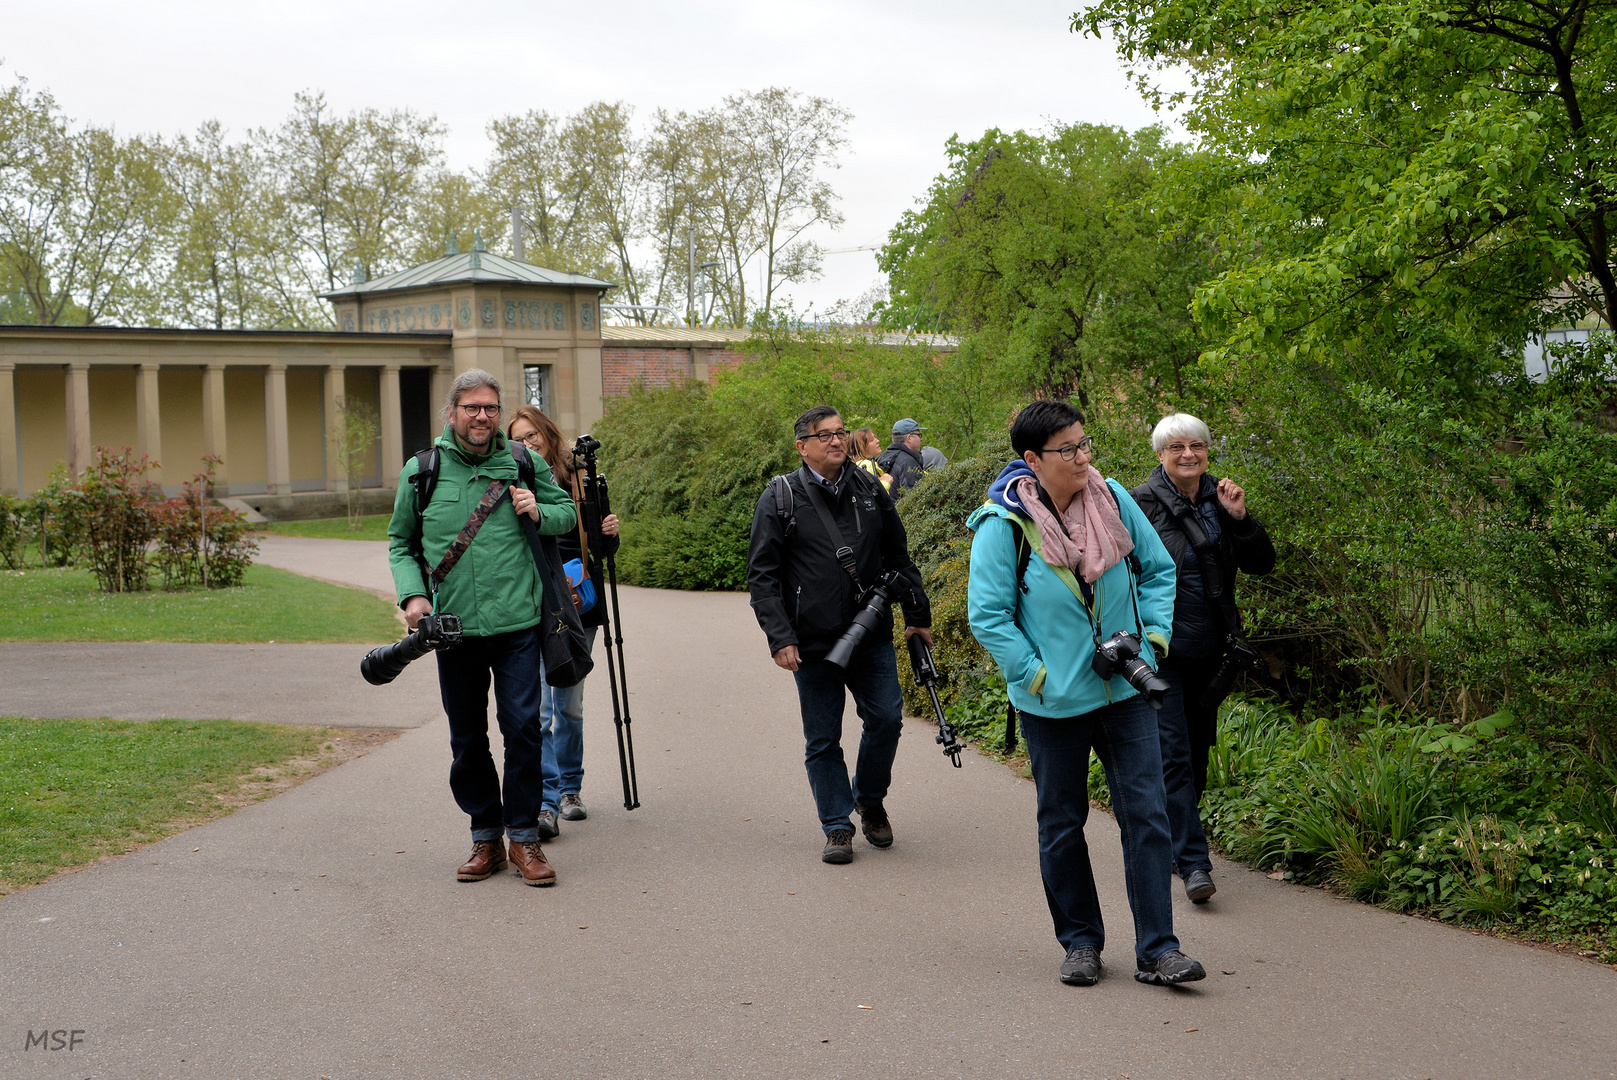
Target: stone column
{"x":148,"y":419}
{"x":335,"y":395}
{"x":392,"y":428}
{"x":213,"y":425}
{"x":699,"y":365}
{"x":277,"y":454}
{"x":442,"y":377}
{"x":79,"y":446}
{"x":10,"y":467}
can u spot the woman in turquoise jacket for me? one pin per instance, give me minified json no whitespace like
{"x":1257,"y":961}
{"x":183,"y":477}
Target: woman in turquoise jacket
{"x":1095,"y":567}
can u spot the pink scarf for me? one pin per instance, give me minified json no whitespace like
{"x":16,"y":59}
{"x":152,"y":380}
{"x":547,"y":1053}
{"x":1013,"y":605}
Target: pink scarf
{"x":1091,"y":516}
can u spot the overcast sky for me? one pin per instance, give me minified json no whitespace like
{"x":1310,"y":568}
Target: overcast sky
{"x":912,"y":73}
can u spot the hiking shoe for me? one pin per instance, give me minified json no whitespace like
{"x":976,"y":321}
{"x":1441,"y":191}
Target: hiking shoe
{"x":487,"y":857}
{"x":878,"y":830}
{"x":1170,"y":969}
{"x":549,"y":827}
{"x":572,"y":808}
{"x":1199,"y":886}
{"x":838,"y":847}
{"x":1081,"y":967}
{"x":531,"y":863}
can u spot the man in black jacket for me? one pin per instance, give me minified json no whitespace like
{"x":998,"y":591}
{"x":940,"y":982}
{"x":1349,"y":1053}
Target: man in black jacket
{"x":831,"y":535}
{"x":903,"y":458}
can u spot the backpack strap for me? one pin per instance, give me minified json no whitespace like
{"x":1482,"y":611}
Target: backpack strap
{"x":785,"y":505}
{"x":424,"y":481}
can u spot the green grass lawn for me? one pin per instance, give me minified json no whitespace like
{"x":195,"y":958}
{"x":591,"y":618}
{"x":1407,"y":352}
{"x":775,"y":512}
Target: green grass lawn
{"x":273,"y":605}
{"x":73,"y":791}
{"x":372,"y":527}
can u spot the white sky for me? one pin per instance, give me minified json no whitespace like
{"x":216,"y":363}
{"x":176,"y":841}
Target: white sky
{"x":912,"y":73}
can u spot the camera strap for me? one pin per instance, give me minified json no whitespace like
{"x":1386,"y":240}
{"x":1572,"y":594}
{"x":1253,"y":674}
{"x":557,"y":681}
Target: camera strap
{"x":485,"y":506}
{"x":844,"y":554}
{"x":1207,"y":553}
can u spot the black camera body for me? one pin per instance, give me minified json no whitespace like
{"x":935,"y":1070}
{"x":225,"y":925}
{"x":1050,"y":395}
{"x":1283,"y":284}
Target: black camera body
{"x":433,"y":633}
{"x":1238,"y":657}
{"x":1120,"y":655}
{"x":877,"y":599}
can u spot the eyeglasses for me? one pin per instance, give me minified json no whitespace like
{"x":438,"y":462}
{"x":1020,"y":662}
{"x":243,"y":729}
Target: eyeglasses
{"x":827,"y":436}
{"x":473,"y":411}
{"x":1084,"y":445}
{"x":532,"y":438}
{"x":1180,"y":448}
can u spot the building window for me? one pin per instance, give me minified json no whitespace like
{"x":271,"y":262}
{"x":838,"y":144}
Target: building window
{"x":536,"y":386}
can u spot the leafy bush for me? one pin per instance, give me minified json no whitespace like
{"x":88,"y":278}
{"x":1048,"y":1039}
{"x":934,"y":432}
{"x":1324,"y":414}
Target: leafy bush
{"x":111,"y":510}
{"x":199,"y":543}
{"x":13,"y":526}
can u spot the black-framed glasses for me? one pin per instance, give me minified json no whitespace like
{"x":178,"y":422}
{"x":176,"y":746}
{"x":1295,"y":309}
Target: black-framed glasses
{"x":1071,"y":450}
{"x":473,"y":411}
{"x":827,"y":436}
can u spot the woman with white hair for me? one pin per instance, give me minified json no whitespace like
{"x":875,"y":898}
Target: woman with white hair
{"x":1204,"y":524}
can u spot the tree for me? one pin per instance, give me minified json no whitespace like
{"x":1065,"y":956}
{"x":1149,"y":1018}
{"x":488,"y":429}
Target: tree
{"x":533,"y":168}
{"x":353,"y":440}
{"x":1053,"y":255}
{"x":1449,"y":160}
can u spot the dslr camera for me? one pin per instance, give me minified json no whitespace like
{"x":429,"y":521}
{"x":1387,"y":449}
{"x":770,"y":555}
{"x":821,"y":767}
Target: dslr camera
{"x":1120,"y":655}
{"x":432,"y":634}
{"x":1238,"y":657}
{"x":878,"y":598}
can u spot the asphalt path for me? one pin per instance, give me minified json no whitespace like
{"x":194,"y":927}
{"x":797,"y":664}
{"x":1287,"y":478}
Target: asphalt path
{"x":322,"y":933}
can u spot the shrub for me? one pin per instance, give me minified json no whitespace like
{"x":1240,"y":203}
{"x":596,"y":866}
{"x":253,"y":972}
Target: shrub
{"x":199,"y":543}
{"x":13,"y":526}
{"x":111,"y":510}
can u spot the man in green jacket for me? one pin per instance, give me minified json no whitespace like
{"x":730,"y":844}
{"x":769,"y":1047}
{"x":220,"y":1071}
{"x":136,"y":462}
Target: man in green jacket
{"x":494,"y":588}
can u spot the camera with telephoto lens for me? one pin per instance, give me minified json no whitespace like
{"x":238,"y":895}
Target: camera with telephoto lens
{"x":877,"y":599}
{"x":1238,"y":657}
{"x":433,"y":633}
{"x":1121,"y":656}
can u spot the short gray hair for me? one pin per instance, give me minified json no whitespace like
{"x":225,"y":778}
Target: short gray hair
{"x":1178,"y":425}
{"x":471,"y":380}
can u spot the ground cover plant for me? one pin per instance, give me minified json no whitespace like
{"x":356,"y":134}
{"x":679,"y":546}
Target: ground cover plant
{"x":74,"y":791}
{"x":62,"y":604}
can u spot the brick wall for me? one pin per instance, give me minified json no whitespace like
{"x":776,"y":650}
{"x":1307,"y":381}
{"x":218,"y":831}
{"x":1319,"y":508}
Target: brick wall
{"x":623,"y":366}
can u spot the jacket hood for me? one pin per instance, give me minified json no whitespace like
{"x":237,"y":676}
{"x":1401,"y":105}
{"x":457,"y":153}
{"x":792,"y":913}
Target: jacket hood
{"x":1002,"y":491}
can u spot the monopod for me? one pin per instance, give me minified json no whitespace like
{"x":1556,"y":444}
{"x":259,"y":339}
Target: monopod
{"x":597,"y":508}
{"x":926,"y":674}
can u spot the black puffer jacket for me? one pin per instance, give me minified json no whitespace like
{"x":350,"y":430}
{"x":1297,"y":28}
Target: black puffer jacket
{"x":1199,"y":627}
{"x":800,"y":593}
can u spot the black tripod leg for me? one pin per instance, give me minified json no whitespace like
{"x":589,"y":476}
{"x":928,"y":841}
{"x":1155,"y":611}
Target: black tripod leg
{"x":631,"y":783}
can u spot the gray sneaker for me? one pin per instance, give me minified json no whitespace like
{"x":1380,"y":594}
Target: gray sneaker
{"x":838,"y":847}
{"x":1081,"y":967}
{"x":572,"y":808}
{"x":1170,"y":969}
{"x":549,"y":827}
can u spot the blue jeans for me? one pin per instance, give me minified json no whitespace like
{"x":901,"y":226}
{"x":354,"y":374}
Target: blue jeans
{"x":561,"y":715}
{"x":1188,"y":730}
{"x":1124,"y":736}
{"x":872,"y":679}
{"x":463,"y":678}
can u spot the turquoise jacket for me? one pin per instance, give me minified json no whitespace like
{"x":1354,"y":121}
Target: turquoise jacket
{"x":494,"y":588}
{"x":1044,"y":639}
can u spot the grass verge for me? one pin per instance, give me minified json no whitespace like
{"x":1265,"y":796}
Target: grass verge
{"x":74,"y":792}
{"x":371,"y":527}
{"x":273,"y":605}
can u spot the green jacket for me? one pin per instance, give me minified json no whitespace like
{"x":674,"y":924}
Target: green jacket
{"x":494,"y":588}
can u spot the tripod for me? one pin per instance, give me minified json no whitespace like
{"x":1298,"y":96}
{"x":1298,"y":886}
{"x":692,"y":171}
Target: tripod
{"x":597,"y":508}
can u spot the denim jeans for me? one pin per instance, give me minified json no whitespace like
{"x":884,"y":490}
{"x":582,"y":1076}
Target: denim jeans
{"x":1188,"y":730}
{"x":1124,"y":736}
{"x":561,"y":714}
{"x":872,"y":679}
{"x":463,"y":679}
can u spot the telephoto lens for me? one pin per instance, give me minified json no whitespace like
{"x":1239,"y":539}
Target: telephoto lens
{"x":868,"y":618}
{"x":1120,"y":655}
{"x":434,"y":632}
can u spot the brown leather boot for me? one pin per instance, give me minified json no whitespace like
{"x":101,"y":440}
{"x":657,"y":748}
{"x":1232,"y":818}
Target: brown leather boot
{"x":487,"y":857}
{"x":531,"y":861}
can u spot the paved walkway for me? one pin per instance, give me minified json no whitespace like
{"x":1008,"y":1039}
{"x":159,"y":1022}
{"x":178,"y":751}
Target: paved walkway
{"x":322,"y":934}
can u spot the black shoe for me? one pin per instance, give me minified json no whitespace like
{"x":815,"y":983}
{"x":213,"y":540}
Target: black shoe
{"x":838,"y":847}
{"x":1081,"y":967}
{"x":878,"y":830}
{"x":549,"y":827}
{"x":1170,"y":969}
{"x":1199,"y":886}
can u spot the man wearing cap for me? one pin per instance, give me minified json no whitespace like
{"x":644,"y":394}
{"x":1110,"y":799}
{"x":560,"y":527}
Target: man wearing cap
{"x":903,"y":458}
